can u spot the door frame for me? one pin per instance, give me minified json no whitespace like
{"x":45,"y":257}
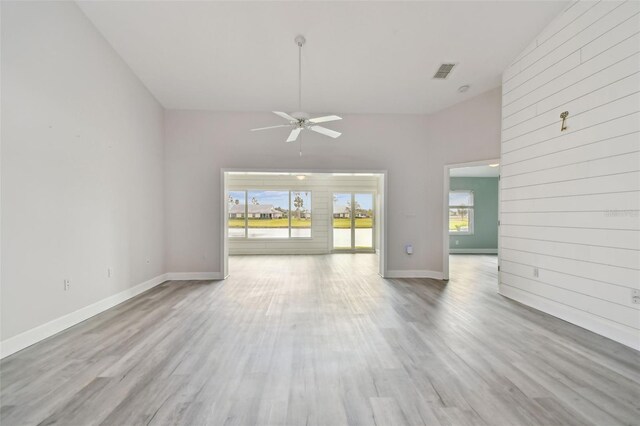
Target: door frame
{"x":445,"y":209}
{"x":381,"y":194}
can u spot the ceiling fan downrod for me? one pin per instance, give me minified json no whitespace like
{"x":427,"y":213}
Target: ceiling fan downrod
{"x":300,"y":41}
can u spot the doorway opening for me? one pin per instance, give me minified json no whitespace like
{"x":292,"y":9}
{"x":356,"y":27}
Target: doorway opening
{"x":284,"y":213}
{"x":471,"y":216}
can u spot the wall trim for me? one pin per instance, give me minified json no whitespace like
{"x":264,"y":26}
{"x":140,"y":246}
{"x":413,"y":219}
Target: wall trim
{"x":414,"y":273}
{"x":191,"y":276}
{"x":474,"y":251}
{"x":609,"y":329}
{"x":270,"y":251}
{"x":41,"y":332}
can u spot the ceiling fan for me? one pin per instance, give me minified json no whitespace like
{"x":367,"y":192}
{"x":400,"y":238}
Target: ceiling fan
{"x":299,"y":121}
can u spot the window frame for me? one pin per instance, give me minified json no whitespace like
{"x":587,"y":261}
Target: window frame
{"x":244,"y":215}
{"x":470,"y":208}
{"x":246,"y":236}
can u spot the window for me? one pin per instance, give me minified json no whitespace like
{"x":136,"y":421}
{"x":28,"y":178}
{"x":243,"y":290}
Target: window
{"x":461,"y":212}
{"x":269,"y":214}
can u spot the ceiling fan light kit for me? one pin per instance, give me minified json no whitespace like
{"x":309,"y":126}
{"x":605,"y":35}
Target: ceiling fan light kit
{"x":299,"y":121}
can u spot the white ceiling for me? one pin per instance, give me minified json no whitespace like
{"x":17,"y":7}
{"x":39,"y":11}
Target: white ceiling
{"x":477,"y":171}
{"x":360,"y":57}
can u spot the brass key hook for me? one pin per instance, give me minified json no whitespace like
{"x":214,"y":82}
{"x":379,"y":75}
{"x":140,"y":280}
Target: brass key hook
{"x":564,"y":116}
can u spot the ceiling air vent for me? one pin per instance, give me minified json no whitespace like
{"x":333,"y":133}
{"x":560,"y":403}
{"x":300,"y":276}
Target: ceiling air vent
{"x":443,"y":71}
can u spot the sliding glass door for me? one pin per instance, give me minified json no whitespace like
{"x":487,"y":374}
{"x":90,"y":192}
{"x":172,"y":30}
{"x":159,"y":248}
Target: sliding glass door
{"x":353,"y":221}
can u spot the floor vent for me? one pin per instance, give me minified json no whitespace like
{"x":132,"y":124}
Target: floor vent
{"x":443,"y":71}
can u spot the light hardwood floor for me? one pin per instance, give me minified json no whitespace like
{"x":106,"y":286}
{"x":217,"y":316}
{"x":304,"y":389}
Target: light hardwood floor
{"x":310,"y":340}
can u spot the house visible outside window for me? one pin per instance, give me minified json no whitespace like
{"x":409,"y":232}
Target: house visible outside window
{"x":461,"y":212}
{"x":269,"y":214}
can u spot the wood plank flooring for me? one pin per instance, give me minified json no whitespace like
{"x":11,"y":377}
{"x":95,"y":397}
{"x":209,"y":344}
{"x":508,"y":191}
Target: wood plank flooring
{"x":323,"y":340}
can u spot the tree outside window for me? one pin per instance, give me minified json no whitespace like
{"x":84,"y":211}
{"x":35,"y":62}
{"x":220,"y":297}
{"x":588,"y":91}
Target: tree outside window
{"x":461,"y":212}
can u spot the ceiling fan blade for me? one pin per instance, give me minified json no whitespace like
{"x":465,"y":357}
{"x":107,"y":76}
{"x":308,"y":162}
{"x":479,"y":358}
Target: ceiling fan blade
{"x":284,"y":115}
{"x":294,"y":134}
{"x":325,"y":131}
{"x":271,"y":127}
{"x":325,"y":119}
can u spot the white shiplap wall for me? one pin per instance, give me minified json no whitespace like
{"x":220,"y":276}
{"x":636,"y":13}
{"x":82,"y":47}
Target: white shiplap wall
{"x":570,"y":200}
{"x":322,"y":187}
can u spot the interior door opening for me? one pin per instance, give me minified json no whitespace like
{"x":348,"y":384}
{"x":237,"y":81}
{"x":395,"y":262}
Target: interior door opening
{"x":471,"y":216}
{"x":269,"y":212}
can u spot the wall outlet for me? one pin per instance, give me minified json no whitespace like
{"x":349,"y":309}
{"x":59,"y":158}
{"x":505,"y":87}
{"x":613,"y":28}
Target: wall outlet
{"x":635,"y":297}
{"x":536,"y":272}
{"x":148,"y":260}
{"x":67,"y":285}
{"x":408,"y":249}
{"x":109,"y":272}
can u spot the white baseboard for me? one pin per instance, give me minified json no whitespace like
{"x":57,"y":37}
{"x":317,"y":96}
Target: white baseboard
{"x":415,"y":273}
{"x":609,"y":329}
{"x":191,"y":276}
{"x":274,"y":251}
{"x":473,"y":251}
{"x":41,"y":332}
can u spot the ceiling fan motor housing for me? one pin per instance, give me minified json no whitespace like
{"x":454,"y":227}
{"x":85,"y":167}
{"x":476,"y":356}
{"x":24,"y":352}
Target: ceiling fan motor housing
{"x":300,"y":115}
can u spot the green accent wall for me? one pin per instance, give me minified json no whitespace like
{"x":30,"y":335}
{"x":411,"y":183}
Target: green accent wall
{"x":485,"y":191}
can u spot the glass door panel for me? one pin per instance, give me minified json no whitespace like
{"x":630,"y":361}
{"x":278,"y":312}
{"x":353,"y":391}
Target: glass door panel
{"x":363,"y":215}
{"x":342,"y":235}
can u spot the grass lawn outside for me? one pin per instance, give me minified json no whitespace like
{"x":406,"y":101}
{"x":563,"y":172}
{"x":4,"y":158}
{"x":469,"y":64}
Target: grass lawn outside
{"x":345,"y":223}
{"x":340,"y":223}
{"x":457,"y":222}
{"x":271,"y":223}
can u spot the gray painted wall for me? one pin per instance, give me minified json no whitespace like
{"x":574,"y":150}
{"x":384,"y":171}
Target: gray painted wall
{"x":412,"y":148}
{"x":485,"y":230}
{"x":82,"y":161}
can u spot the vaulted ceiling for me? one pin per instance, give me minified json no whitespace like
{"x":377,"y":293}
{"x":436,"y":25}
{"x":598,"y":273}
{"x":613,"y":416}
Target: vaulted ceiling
{"x":360,"y":57}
